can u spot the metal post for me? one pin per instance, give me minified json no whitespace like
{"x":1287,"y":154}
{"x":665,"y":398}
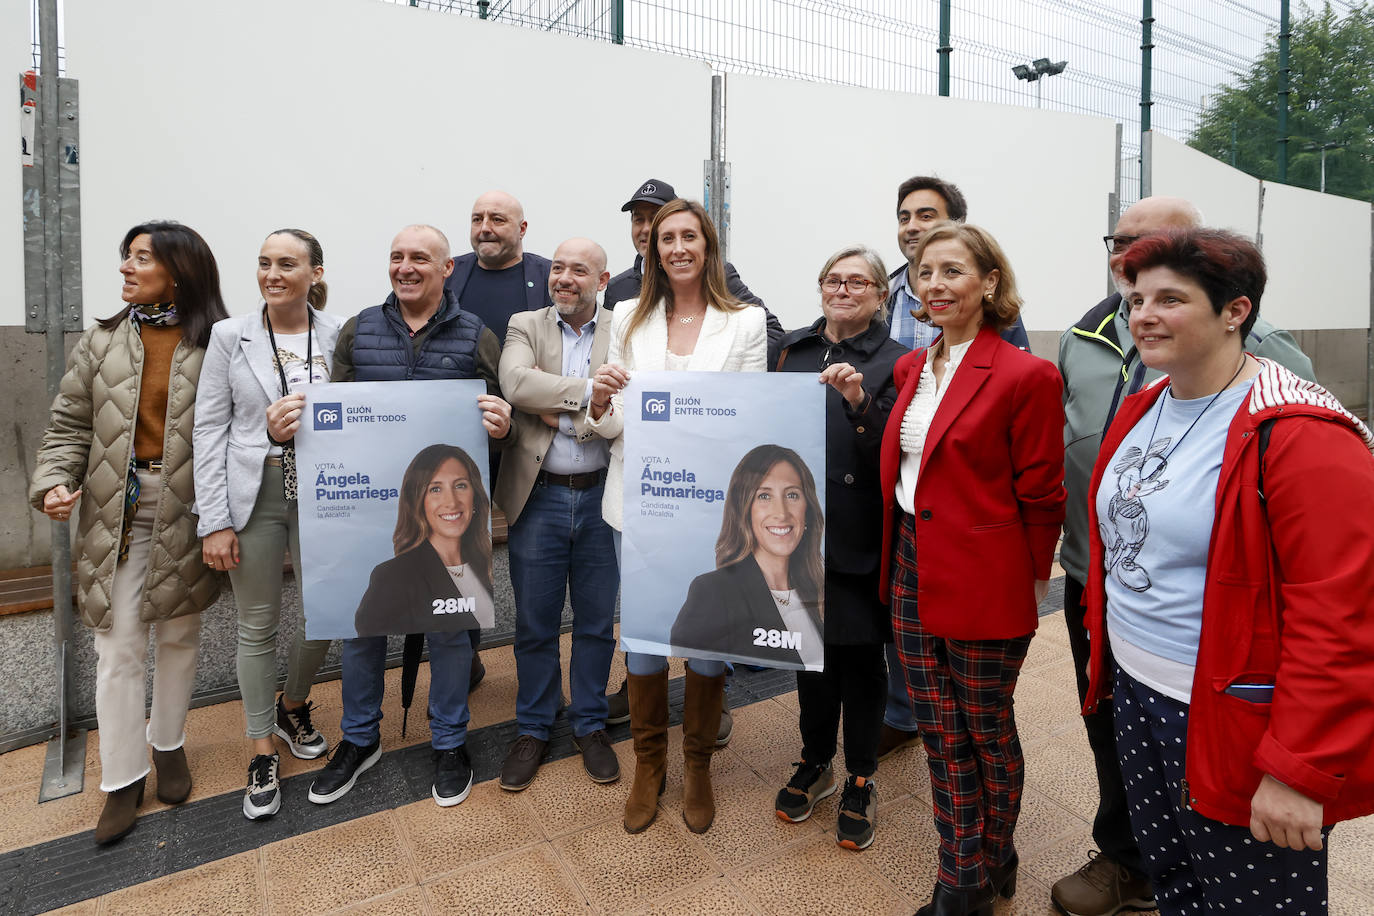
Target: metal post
{"x":1284,"y":34}
{"x":62,"y":774}
{"x":716,"y":170}
{"x":1114,"y":203}
{"x":1147,"y":21}
{"x":482,"y":7}
{"x":618,"y":22}
{"x":1325,"y":146}
{"x":945,"y":50}
{"x":1233,"y":144}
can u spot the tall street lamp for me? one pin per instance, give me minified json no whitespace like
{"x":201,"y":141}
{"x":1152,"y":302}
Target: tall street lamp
{"x":1038,"y":68}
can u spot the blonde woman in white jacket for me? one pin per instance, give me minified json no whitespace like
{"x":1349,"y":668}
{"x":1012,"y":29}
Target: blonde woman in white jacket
{"x":685,"y":319}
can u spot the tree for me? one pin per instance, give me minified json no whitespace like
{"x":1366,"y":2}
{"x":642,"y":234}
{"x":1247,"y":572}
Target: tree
{"x":1331,"y":102}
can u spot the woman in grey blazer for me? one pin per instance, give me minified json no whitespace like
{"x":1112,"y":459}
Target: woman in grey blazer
{"x":246,"y":491}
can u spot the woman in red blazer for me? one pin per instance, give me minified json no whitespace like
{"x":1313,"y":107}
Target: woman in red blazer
{"x":972,"y":478}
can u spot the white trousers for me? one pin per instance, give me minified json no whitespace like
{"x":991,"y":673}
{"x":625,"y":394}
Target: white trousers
{"x":122,"y":658}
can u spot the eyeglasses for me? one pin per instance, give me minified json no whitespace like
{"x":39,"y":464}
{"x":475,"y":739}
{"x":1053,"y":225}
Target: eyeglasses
{"x":1118,"y":243}
{"x":855,"y":285}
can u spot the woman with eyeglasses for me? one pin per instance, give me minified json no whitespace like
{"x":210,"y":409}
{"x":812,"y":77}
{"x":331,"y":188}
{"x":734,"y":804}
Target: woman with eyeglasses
{"x":849,"y":345}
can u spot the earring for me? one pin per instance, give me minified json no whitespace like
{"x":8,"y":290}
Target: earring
{"x":1230,"y":328}
{"x":988,"y":296}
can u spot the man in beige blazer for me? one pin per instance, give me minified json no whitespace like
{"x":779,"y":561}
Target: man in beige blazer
{"x":550,"y":487}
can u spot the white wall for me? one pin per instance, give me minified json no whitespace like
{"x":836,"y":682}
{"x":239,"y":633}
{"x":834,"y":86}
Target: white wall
{"x":1228,"y":198}
{"x":15,"y":58}
{"x":352,"y":118}
{"x":1316,"y":247}
{"x":816,"y":167}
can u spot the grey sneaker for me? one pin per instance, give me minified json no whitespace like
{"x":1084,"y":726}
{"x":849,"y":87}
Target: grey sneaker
{"x":1102,"y":887}
{"x":811,"y":783}
{"x":858,"y":814}
{"x":262,"y":798}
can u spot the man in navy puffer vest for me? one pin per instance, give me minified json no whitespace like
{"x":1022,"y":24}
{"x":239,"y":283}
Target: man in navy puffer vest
{"x":419,"y":333}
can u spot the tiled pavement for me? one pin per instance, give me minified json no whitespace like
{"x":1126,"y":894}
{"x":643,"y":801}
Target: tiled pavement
{"x":558,"y":847}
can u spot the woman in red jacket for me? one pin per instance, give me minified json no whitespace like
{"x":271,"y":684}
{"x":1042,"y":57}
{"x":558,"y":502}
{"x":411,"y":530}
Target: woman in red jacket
{"x":1231,"y":594}
{"x":973,"y":486}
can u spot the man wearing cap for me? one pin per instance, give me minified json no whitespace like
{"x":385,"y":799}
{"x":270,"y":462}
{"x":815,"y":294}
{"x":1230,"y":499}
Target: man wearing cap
{"x":499,"y":278}
{"x":642,"y":207}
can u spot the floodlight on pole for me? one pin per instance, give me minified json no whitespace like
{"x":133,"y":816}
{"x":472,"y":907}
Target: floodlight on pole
{"x":1042,"y":66}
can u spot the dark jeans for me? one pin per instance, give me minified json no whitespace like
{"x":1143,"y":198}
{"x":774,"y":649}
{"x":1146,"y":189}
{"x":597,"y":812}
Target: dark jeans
{"x":559,"y":546}
{"x":854,"y":680}
{"x":1112,"y":825}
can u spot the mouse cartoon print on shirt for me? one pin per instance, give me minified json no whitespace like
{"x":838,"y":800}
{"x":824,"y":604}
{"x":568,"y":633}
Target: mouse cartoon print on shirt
{"x":1127,"y":525}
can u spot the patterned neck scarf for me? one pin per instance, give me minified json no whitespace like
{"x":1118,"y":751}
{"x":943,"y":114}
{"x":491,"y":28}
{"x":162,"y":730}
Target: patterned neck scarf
{"x":158,"y":314}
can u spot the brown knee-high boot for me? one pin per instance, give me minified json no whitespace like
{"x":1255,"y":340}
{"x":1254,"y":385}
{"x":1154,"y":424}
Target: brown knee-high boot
{"x":700,"y":723}
{"x":649,"y":730}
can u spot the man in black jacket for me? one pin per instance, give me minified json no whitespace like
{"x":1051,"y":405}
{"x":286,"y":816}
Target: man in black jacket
{"x":498,"y":277}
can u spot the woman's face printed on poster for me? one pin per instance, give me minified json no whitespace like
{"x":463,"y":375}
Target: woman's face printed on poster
{"x":448,"y":504}
{"x":778,"y":512}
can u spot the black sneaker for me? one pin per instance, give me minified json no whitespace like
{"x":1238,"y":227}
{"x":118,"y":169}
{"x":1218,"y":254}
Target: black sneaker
{"x":293,"y":726}
{"x":476,"y":673}
{"x":262,"y":798}
{"x":452,"y":776}
{"x":811,"y":783}
{"x":858,"y":813}
{"x":348,"y":762}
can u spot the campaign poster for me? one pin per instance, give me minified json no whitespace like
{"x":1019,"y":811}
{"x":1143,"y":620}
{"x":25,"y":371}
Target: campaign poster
{"x":395,"y":509}
{"x":724,"y":536}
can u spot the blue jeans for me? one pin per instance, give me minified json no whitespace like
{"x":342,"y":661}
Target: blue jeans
{"x":899,"y":713}
{"x":364,"y":667}
{"x":644,"y":663}
{"x":561,"y":544}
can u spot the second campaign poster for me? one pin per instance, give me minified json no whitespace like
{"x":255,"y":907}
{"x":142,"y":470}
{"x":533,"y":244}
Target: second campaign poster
{"x":724,"y":535}
{"x":395,"y":516}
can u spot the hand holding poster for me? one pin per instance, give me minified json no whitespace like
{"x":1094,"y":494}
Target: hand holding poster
{"x":724,"y":517}
{"x":395,"y":520}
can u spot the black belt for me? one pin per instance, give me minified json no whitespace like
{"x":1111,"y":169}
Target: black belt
{"x":584,"y":481}
{"x":152,"y":464}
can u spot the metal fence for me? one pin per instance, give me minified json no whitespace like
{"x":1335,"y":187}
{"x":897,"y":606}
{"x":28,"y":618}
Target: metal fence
{"x":893,"y":44}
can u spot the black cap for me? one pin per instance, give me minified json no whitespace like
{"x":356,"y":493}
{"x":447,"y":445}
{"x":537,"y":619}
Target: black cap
{"x":653,"y":192}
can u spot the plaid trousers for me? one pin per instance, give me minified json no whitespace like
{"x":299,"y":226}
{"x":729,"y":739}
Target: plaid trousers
{"x":962,"y":694}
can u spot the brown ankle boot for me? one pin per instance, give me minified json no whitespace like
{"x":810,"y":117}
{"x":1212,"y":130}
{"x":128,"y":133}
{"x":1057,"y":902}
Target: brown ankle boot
{"x":120,"y":812}
{"x":700,"y":725}
{"x":649,"y":729}
{"x":173,"y":776}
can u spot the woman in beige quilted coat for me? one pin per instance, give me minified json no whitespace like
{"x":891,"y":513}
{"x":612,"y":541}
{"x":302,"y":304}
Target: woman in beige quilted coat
{"x":120,"y":436}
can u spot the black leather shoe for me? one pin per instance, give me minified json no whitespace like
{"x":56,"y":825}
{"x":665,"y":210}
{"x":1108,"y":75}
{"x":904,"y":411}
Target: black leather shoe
{"x":522,"y":762}
{"x":964,"y":901}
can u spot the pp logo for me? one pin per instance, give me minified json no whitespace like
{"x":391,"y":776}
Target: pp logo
{"x":329,"y":416}
{"x":656,"y":405}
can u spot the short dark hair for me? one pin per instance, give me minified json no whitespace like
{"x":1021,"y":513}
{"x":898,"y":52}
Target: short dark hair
{"x":181,"y":250}
{"x":954,"y":198}
{"x":1226,"y":265}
